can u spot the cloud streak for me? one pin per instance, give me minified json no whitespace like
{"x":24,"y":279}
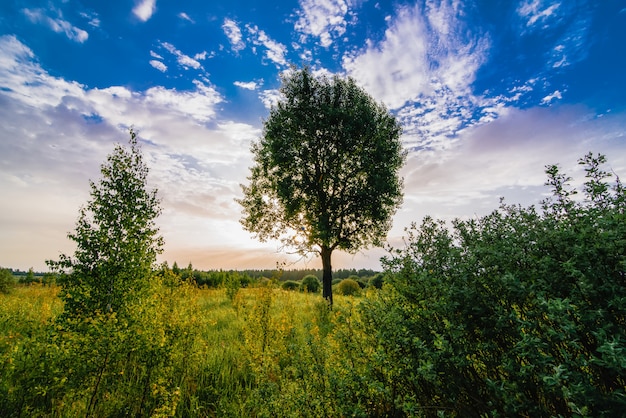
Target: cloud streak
{"x":57,"y":24}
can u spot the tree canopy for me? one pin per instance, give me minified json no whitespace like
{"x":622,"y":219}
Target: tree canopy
{"x":116,"y":238}
{"x":326,"y":170}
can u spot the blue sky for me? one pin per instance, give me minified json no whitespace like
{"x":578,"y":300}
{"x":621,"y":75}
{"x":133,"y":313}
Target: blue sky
{"x":488,"y":93}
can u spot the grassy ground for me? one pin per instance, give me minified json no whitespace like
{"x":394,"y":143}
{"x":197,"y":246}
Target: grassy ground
{"x":193,"y":352}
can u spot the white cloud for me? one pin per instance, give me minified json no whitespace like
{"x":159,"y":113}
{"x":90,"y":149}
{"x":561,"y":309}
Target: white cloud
{"x":232,"y":31}
{"x":155,"y":55}
{"x":424,"y":68}
{"x":323,"y":19}
{"x":550,"y":97}
{"x":62,"y":131}
{"x":158,"y":65}
{"x":275,"y":51}
{"x":57,"y":24}
{"x":535,"y":11}
{"x":183,"y":60}
{"x":250,"y":85}
{"x":506,"y":158}
{"x":144,"y":9}
{"x":93,"y":19}
{"x":270,"y":98}
{"x":186,"y":17}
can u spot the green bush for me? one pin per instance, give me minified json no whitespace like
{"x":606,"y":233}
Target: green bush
{"x":6,"y":280}
{"x":518,"y":313}
{"x":377,"y":281}
{"x":290,"y":285}
{"x":336,"y":281}
{"x":348,"y":287}
{"x":310,"y":283}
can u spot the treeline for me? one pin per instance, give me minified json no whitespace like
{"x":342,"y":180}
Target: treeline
{"x":218,"y":278}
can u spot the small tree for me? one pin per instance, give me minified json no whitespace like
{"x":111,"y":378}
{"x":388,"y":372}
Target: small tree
{"x":325,"y":172}
{"x":7,"y":281}
{"x":116,"y":237}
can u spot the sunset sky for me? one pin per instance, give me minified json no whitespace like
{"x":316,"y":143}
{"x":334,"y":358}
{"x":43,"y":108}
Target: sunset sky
{"x":488,"y":93}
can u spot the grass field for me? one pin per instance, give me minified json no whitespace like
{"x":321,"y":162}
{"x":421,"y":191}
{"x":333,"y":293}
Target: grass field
{"x":191,"y":352}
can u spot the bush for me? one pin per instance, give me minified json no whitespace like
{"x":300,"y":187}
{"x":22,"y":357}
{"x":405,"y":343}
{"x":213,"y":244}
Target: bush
{"x":6,"y":280}
{"x":348,"y":287}
{"x":377,"y":281}
{"x":336,"y":281}
{"x":518,"y":313}
{"x":290,"y":285}
{"x":310,"y":283}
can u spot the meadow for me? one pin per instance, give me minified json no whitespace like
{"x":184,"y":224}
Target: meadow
{"x":263,"y":351}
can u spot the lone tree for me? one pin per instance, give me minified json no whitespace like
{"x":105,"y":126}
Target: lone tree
{"x":116,"y":238}
{"x":325,"y":173}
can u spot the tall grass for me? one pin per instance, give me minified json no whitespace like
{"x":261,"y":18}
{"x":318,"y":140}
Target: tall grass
{"x":191,"y":352}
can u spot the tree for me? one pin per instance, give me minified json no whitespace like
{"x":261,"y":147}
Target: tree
{"x":116,"y":238}
{"x":7,"y":281}
{"x":325,"y":174}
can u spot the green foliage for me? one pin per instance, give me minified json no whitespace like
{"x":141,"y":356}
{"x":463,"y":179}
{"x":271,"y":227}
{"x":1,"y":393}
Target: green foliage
{"x":377,"y":281}
{"x":116,"y":239}
{"x":310,"y":283}
{"x":518,"y":313}
{"x":325,"y":172}
{"x":348,"y":287}
{"x":7,"y":281}
{"x":290,"y":285}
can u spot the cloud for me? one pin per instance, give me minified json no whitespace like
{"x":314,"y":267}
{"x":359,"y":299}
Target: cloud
{"x":144,"y":9}
{"x":158,"y":65}
{"x":275,"y":51}
{"x":186,"y":17}
{"x":62,"y":131}
{"x":183,"y":60}
{"x":563,"y":26}
{"x":325,"y":20}
{"x":250,"y":85}
{"x":424,"y":68}
{"x":57,"y":24}
{"x":536,"y":11}
{"x":506,"y":158}
{"x":92,"y":17}
{"x":232,"y":31}
{"x":270,"y":98}
{"x":555,"y":95}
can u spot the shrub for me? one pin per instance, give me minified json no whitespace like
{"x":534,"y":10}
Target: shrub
{"x":377,"y":281}
{"x":310,"y":283}
{"x":290,"y":285}
{"x":348,"y":287}
{"x":6,"y":280}
{"x":517,"y":313}
{"x":337,"y":281}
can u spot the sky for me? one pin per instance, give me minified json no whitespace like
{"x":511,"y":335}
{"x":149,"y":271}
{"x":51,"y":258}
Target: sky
{"x":488,"y":93}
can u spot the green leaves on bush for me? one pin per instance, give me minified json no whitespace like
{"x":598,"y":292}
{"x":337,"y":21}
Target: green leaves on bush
{"x":290,"y":285}
{"x":310,"y":283}
{"x":517,"y":313}
{"x":348,"y":287}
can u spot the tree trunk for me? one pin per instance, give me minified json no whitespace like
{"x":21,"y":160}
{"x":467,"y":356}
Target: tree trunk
{"x":327,"y":278}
